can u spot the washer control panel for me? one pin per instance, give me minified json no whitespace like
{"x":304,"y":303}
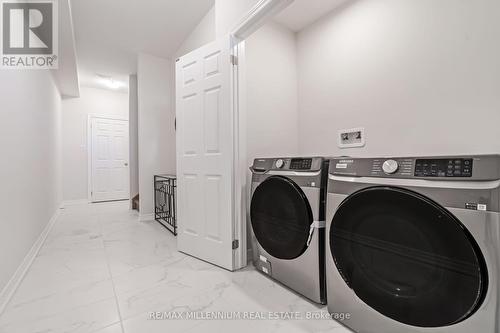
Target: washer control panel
{"x":452,"y":167}
{"x":470,"y":168}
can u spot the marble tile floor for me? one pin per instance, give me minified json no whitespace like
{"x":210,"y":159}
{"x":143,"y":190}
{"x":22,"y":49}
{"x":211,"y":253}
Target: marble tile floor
{"x":102,"y":271}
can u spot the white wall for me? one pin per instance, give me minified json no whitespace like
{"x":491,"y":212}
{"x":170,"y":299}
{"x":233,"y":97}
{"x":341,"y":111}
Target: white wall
{"x":92,"y":101}
{"x":133,"y":136}
{"x":30,"y":191}
{"x":272,"y":100}
{"x":202,"y":34}
{"x":228,"y":13}
{"x":422,"y":76}
{"x":271,"y":97}
{"x":156,"y":125}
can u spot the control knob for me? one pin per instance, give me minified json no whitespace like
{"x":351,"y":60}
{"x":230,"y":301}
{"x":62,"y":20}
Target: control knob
{"x":280,"y":163}
{"x":390,"y":167}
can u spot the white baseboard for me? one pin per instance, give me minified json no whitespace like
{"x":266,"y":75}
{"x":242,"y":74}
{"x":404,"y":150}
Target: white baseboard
{"x":11,"y":287}
{"x":146,"y":217}
{"x":75,"y":202}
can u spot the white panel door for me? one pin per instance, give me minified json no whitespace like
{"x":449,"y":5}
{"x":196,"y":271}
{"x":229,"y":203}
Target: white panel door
{"x":205,"y":153}
{"x":109,"y":160}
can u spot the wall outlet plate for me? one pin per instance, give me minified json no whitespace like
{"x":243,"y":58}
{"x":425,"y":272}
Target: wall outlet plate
{"x":351,"y":138}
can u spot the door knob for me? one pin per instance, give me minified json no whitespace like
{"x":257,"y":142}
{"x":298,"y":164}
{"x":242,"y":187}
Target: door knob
{"x":126,"y":164}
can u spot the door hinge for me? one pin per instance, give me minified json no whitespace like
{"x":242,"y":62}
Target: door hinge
{"x":236,"y":244}
{"x":234,"y":60}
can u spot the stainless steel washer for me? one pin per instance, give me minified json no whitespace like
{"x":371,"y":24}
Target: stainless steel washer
{"x":287,"y":219}
{"x":413,"y":244}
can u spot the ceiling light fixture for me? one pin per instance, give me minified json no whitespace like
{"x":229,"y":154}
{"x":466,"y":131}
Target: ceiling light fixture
{"x":109,"y":82}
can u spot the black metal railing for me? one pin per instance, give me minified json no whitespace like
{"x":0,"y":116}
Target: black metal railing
{"x":165,"y":201}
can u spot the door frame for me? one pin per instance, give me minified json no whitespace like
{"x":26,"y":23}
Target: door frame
{"x":91,"y":117}
{"x":256,"y":17}
{"x":240,"y":167}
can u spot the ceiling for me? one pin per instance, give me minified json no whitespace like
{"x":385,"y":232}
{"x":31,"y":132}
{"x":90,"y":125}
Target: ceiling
{"x":109,"y":34}
{"x":302,"y":13}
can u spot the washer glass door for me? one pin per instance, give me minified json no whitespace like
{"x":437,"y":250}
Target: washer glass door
{"x":281,"y":217}
{"x":407,"y":257}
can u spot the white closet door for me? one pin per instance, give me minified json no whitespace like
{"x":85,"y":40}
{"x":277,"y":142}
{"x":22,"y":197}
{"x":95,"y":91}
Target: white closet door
{"x":205,"y":153}
{"x":109,"y":151}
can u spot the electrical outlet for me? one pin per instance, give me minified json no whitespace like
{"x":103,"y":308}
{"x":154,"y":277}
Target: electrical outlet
{"x":351,"y":138}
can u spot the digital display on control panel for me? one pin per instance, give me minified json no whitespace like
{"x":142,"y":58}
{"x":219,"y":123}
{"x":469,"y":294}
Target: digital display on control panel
{"x":458,"y":167}
{"x":301,"y":163}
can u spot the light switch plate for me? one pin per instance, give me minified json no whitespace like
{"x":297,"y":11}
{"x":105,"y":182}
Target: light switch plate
{"x":351,"y":138}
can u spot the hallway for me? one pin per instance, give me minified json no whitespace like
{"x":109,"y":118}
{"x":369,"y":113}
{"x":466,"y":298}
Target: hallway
{"x":102,"y":271}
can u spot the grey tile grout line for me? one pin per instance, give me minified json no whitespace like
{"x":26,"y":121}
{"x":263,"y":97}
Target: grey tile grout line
{"x":111,"y":276}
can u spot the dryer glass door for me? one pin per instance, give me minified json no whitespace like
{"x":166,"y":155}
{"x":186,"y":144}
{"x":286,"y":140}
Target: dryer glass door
{"x":407,"y":257}
{"x":281,"y":217}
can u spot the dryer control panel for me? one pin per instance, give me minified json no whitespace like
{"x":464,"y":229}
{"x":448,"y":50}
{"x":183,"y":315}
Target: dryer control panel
{"x":396,"y":166}
{"x":301,"y":164}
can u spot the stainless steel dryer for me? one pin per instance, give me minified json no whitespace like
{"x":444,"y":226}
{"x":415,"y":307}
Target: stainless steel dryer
{"x":287,"y":219}
{"x":414,"y":244}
